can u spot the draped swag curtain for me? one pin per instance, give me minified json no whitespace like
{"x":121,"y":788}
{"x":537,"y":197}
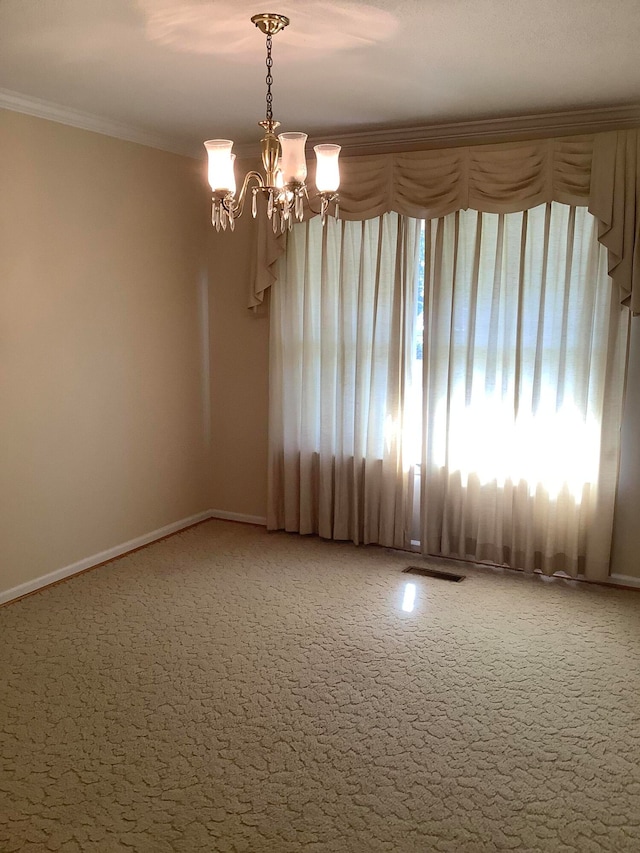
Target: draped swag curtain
{"x":600,"y":171}
{"x":492,"y":437}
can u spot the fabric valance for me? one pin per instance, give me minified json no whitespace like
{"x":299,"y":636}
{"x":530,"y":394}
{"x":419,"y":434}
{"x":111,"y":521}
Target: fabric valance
{"x":600,"y":171}
{"x":493,"y":178}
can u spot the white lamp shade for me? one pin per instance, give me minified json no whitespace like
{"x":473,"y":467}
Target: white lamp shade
{"x":327,"y":169}
{"x":293,"y":162}
{"x":221,"y":161}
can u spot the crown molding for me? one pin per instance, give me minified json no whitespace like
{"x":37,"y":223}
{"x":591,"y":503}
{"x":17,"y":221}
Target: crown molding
{"x":487,"y":131}
{"x":50,"y":111}
{"x":481,"y":132}
{"x":381,"y":141}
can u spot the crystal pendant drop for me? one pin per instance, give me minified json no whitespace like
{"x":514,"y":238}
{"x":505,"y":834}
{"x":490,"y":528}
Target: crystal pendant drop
{"x":254,"y":204}
{"x":270,"y":205}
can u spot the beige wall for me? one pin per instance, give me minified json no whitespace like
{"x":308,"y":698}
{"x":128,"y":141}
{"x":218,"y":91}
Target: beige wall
{"x":239,"y":376}
{"x":102,"y":346}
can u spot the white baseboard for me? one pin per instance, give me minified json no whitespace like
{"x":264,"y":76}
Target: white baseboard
{"x":118,"y":550}
{"x":102,"y":557}
{"x":625,"y":580}
{"x":237,"y":516}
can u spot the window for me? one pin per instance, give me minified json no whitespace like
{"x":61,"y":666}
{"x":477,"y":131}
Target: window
{"x":520,"y":309}
{"x":484,"y":351}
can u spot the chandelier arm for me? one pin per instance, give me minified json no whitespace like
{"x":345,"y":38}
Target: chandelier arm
{"x":236,"y":207}
{"x":308,"y":198}
{"x":326,"y":198}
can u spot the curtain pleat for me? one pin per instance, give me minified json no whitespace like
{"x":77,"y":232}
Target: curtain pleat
{"x":342,"y":338}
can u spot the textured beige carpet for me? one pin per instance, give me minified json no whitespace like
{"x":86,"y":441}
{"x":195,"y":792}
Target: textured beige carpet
{"x":232,"y":690}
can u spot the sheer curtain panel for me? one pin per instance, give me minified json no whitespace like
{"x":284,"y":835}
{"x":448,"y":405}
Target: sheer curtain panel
{"x":341,"y":356}
{"x":524,"y":361}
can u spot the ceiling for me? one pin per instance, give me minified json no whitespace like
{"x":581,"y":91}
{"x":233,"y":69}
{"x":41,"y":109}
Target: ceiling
{"x":183,"y":71}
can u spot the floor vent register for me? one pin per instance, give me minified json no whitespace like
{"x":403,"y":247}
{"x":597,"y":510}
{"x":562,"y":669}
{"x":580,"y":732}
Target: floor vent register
{"x":425,"y":572}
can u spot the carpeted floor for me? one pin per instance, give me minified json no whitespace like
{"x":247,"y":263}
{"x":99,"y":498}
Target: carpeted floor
{"x":232,"y":690}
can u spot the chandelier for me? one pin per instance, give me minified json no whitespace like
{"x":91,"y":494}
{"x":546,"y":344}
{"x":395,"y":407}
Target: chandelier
{"x":283,"y":159}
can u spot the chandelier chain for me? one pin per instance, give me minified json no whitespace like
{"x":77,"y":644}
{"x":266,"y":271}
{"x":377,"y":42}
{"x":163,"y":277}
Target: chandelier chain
{"x":269,"y":79}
